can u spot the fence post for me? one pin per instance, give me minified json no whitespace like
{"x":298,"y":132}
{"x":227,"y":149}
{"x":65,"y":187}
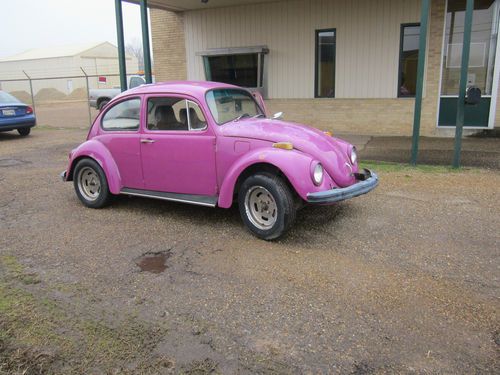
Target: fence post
{"x":31,"y":91}
{"x":88,"y":94}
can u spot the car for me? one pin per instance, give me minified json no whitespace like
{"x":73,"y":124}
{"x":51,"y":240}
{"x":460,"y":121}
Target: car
{"x":213,"y":144}
{"x":98,"y":98}
{"x":15,"y":115}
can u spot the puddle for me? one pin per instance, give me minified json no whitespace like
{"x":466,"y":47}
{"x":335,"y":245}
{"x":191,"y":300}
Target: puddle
{"x":154,"y":262}
{"x":11,"y":162}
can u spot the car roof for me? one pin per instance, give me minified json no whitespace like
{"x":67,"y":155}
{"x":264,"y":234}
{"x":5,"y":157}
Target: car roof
{"x":193,"y":88}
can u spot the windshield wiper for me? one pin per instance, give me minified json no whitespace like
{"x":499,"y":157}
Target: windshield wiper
{"x":241,"y":116}
{"x":259,"y":115}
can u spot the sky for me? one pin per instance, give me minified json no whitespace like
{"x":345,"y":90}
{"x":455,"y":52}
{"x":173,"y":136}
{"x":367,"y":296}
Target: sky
{"x":26,"y":24}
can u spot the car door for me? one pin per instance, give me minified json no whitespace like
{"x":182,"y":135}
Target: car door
{"x":119,"y":132}
{"x":177,"y":147}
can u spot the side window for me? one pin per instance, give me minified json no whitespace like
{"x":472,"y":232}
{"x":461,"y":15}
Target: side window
{"x":170,"y":113}
{"x":123,"y":116}
{"x":196,"y":119}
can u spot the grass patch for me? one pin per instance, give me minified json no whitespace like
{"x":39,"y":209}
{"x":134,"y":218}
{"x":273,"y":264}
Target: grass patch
{"x":41,"y":336}
{"x":383,"y":166}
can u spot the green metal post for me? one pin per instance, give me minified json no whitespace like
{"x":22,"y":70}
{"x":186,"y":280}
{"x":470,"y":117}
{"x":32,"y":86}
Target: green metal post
{"x":121,"y":44}
{"x":145,"y":41}
{"x":463,"y":83}
{"x":424,"y":20}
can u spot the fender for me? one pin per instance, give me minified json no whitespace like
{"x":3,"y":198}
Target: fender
{"x":294,"y":164}
{"x":97,"y":151}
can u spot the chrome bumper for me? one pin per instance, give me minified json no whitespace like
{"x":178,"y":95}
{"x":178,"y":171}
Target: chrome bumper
{"x":368,"y":182}
{"x":63,"y":175}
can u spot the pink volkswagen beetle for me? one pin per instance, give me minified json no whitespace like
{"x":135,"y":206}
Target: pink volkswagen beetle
{"x":210,"y":144}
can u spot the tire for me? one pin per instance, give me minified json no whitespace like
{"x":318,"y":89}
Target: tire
{"x":266,"y":206}
{"x":102,"y":104}
{"x":90,"y":183}
{"x":24,"y":131}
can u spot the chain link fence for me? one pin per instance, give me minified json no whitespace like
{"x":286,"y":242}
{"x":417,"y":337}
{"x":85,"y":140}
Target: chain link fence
{"x":60,"y":101}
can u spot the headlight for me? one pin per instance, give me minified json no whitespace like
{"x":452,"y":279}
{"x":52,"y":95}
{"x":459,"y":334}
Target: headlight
{"x":317,"y":174}
{"x":353,"y":156}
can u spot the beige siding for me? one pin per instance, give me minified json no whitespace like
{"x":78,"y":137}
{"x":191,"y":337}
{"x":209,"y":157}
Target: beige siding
{"x":368,"y":35}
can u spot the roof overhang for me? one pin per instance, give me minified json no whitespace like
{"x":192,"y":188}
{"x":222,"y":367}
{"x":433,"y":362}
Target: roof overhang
{"x":183,"y":5}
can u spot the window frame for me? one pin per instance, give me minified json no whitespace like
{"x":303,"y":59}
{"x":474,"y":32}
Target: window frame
{"x":108,"y":108}
{"x":400,"y":66}
{"x":316,"y":50}
{"x":186,"y":100}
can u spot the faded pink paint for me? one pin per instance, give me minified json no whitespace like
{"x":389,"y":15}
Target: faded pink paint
{"x":209,"y":162}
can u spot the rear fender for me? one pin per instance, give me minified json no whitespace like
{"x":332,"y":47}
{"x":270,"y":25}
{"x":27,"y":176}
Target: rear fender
{"x":96,"y":150}
{"x":295,"y":165}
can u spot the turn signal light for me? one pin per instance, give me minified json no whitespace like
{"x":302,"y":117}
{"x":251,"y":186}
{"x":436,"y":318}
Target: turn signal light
{"x":283,"y":145}
{"x":328,"y":133}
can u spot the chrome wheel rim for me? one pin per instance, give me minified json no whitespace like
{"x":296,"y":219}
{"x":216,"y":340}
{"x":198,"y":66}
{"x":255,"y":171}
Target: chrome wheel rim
{"x":261,"y":208}
{"x":89,"y":183}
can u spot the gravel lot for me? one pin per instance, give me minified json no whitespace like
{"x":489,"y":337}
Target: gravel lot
{"x":403,"y":280}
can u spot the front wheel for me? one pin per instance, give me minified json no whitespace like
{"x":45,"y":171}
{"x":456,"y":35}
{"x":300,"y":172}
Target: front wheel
{"x":266,"y":206}
{"x":90,"y":184}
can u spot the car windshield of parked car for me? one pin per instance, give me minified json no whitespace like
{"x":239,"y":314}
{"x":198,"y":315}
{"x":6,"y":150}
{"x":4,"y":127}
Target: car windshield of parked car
{"x":7,"y":98}
{"x":232,"y":104}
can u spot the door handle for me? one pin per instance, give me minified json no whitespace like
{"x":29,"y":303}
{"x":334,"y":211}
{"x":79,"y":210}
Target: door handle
{"x":147,"y":140}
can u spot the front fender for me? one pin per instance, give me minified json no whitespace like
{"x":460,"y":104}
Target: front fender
{"x":97,"y":151}
{"x":295,"y":165}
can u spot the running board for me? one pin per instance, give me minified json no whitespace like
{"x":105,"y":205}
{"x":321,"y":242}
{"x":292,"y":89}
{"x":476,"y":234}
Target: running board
{"x":200,"y":200}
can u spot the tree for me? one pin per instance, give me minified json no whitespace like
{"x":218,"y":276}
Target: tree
{"x":134,"y":48}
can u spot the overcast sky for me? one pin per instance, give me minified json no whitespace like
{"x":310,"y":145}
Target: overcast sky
{"x":26,"y":24}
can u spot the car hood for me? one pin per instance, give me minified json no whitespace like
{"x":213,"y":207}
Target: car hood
{"x":332,"y":152}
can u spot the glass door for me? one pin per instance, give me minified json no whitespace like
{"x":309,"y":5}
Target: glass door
{"x":481,"y":73}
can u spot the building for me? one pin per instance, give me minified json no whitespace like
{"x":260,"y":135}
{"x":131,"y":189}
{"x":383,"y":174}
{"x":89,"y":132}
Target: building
{"x":341,"y":65}
{"x":65,"y":61}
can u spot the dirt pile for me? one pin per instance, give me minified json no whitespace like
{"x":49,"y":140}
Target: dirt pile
{"x":50,"y":94}
{"x":23,"y":96}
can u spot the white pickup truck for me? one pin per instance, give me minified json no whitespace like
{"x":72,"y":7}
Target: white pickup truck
{"x":98,"y":98}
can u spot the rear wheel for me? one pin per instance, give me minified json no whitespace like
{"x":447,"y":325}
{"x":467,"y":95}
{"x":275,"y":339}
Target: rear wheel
{"x":24,"y":131}
{"x":102,"y":104}
{"x":90,"y":184}
{"x":266,"y":206}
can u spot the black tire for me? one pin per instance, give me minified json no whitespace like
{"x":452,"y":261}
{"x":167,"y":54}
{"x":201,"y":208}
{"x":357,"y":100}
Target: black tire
{"x":102,"y":104}
{"x":24,"y":131}
{"x":285,"y":208}
{"x":85,"y":177}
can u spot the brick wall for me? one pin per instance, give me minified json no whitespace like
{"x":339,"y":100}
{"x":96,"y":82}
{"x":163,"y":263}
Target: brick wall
{"x":169,"y":49}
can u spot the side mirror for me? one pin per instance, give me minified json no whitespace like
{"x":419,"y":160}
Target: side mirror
{"x":473,"y":95}
{"x":277,"y":116}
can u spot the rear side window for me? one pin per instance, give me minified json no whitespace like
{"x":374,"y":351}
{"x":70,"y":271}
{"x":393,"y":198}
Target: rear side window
{"x":123,"y":116}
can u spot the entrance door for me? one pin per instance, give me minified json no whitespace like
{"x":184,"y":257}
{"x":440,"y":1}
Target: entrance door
{"x":483,"y":66}
{"x":178,"y":148}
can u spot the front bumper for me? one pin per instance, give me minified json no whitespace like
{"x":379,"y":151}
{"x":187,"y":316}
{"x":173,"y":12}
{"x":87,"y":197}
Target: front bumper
{"x":367,"y":183}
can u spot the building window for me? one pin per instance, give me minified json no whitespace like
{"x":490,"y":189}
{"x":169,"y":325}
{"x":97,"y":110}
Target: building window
{"x":240,"y":66}
{"x":325,"y":63}
{"x":408,"y":60}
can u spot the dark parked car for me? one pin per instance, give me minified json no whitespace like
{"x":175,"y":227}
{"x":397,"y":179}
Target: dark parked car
{"x":15,"y":115}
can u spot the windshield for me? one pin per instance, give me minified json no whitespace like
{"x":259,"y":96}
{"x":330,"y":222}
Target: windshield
{"x":7,"y":98}
{"x":231,"y":104}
